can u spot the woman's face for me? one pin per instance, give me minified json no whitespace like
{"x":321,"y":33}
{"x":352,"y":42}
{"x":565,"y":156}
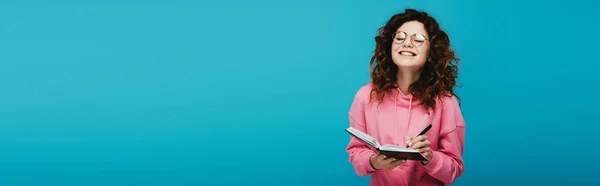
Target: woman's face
{"x":410,"y":46}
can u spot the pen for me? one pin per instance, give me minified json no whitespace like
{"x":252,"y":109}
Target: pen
{"x":422,"y":132}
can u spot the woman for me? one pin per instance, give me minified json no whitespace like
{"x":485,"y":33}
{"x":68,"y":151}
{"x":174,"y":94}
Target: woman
{"x":413,"y":72}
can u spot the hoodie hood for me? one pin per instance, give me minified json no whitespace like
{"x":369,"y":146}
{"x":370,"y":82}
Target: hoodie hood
{"x":401,"y":100}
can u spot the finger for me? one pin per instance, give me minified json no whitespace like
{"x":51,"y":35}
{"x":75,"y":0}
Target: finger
{"x":395,"y":163}
{"x":386,"y":165}
{"x":417,"y":139}
{"x":408,"y":140}
{"x":424,"y":150}
{"x":398,"y":162}
{"x":417,"y":145}
{"x":381,"y":157}
{"x":390,"y":167}
{"x":421,"y":144}
{"x":388,"y":161}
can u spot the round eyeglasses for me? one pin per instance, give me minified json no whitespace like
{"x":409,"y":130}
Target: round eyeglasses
{"x":415,"y":39}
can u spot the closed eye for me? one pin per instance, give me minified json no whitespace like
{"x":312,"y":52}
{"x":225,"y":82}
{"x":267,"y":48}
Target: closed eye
{"x":419,"y":38}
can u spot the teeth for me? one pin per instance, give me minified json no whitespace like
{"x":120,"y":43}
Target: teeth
{"x":406,"y":53}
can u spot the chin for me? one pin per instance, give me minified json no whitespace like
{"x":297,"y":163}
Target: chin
{"x":411,"y":64}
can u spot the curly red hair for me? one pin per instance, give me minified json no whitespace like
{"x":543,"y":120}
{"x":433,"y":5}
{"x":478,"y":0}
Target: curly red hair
{"x":439,"y":74}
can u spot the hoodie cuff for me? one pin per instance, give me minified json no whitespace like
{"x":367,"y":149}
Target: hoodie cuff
{"x":434,"y":163}
{"x":368,"y":164}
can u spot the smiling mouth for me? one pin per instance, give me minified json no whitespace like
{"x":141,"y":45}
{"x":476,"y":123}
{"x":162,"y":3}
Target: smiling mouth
{"x":407,"y":53}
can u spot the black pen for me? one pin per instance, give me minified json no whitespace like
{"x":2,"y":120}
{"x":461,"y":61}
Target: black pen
{"x":422,"y":132}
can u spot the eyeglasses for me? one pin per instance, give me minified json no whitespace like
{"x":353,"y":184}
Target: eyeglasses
{"x":416,"y":39}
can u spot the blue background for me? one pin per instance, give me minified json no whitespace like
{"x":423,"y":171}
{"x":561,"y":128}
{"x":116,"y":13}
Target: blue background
{"x":257,"y":92}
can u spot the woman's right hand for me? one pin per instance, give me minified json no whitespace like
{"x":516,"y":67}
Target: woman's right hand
{"x":379,"y":161}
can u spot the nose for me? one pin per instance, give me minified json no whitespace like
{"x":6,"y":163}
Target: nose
{"x":407,"y":44}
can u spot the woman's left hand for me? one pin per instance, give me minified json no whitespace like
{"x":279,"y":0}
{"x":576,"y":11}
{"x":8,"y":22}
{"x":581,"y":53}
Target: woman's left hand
{"x":421,"y":144}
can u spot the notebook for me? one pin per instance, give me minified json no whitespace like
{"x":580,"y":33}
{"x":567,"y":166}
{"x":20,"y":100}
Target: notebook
{"x":389,"y":150}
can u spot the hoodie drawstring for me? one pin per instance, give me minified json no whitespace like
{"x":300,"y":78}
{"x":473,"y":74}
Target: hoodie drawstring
{"x":408,"y":114}
{"x":396,"y":112}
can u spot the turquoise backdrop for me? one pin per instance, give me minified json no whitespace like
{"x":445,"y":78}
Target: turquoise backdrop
{"x":234,"y":92}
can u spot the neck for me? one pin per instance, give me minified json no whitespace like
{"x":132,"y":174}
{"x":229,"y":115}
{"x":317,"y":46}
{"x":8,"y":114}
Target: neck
{"x":404,"y":79}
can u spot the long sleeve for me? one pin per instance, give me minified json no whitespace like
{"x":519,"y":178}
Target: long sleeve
{"x":446,"y":163}
{"x":359,"y":153}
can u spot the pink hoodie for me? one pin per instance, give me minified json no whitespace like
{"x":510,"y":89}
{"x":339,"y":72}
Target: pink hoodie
{"x":399,"y":116}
